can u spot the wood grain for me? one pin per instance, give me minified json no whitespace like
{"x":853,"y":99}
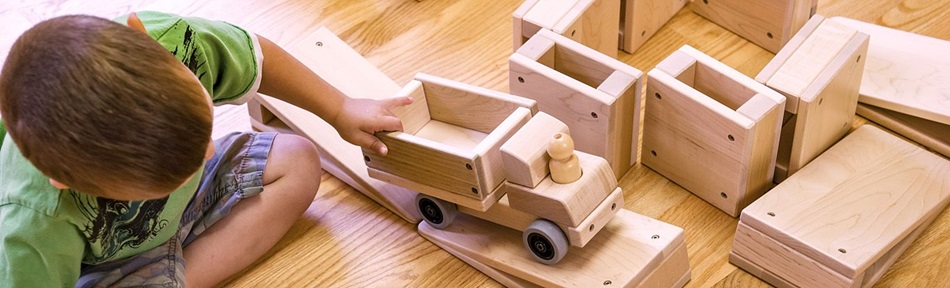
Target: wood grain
{"x":346,"y":239}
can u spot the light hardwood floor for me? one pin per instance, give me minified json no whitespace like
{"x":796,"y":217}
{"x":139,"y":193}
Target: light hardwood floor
{"x":345,"y":239}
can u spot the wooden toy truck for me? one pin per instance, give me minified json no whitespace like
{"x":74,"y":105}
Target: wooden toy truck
{"x":459,"y":145}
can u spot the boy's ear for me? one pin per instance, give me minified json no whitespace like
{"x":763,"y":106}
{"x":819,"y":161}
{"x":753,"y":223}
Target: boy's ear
{"x":135,"y":23}
{"x":57,"y":184}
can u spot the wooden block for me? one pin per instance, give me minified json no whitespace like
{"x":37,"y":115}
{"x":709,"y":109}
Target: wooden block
{"x":338,"y":64}
{"x":598,"y":97}
{"x":632,"y":251}
{"x":566,"y":203}
{"x":843,"y":219}
{"x":524,"y":155}
{"x":711,"y":129}
{"x":819,"y":71}
{"x":767,"y":23}
{"x":905,"y":72}
{"x":593,"y":23}
{"x":640,"y":19}
{"x":933,"y":135}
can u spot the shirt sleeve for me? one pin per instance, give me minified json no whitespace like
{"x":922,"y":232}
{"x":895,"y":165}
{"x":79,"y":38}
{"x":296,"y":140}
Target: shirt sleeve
{"x":37,"y":250}
{"x":225,"y":58}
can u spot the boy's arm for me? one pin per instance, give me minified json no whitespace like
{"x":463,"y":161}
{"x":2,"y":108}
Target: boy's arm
{"x":36,"y":250}
{"x":285,"y":78}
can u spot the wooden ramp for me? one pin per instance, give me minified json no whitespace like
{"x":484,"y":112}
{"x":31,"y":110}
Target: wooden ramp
{"x":845,"y":217}
{"x":906,"y":84}
{"x":631,"y":251}
{"x":347,"y":71}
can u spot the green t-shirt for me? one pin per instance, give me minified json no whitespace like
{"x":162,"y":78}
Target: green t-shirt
{"x":46,"y":234}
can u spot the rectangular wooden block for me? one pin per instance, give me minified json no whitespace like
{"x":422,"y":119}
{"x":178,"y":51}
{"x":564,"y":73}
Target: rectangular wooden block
{"x":843,"y":219}
{"x":819,"y":71}
{"x":338,"y":64}
{"x":767,"y":23}
{"x":457,"y":148}
{"x":631,"y":251}
{"x":593,"y":23}
{"x":640,"y":19}
{"x":711,"y":129}
{"x":525,"y":153}
{"x":598,"y":97}
{"x":566,"y":203}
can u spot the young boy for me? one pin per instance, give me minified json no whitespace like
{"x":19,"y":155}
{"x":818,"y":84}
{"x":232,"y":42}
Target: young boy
{"x":108,"y":174}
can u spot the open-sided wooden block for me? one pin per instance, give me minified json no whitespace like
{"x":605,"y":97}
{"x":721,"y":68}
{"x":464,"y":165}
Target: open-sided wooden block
{"x":819,"y":71}
{"x":338,"y":64}
{"x":906,"y":84}
{"x":844,"y":218}
{"x":598,"y":97}
{"x":593,"y":23}
{"x":449,"y":147}
{"x":631,"y":251}
{"x":711,"y":129}
{"x":640,"y":19}
{"x":767,"y":23}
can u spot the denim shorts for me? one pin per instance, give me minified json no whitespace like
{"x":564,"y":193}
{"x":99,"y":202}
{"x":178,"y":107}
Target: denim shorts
{"x":232,"y":174}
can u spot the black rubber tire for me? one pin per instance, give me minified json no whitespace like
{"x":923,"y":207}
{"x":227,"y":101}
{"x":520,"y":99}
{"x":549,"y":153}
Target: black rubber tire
{"x":436,"y":212}
{"x":545,"y":241}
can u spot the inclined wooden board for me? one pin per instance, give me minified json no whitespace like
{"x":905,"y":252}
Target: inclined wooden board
{"x":905,"y":72}
{"x":338,"y":64}
{"x":853,"y":209}
{"x":767,"y":23}
{"x":632,"y":250}
{"x":642,"y":18}
{"x":931,"y":134}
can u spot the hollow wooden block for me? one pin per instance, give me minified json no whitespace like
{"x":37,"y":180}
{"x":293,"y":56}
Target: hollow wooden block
{"x":844,"y":218}
{"x":631,"y":251}
{"x":598,"y":97}
{"x":641,"y":19}
{"x":451,"y":140}
{"x":711,"y":129}
{"x":566,"y":203}
{"x":593,"y":23}
{"x":524,"y":155}
{"x":819,"y":72}
{"x":767,"y":23}
{"x":338,"y":64}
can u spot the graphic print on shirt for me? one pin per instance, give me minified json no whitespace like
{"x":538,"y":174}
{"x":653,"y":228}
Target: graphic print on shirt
{"x":114,"y":225}
{"x":188,"y":52}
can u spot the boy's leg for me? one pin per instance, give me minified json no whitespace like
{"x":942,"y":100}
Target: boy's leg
{"x":291,"y":179}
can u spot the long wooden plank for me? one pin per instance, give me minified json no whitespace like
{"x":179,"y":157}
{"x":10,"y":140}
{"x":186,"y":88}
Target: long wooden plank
{"x":630,"y":251}
{"x":905,"y":72}
{"x":334,"y":61}
{"x":931,"y":134}
{"x":853,"y":209}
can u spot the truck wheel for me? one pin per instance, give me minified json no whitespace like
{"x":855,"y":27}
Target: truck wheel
{"x":439,"y":214}
{"x":546,"y":242}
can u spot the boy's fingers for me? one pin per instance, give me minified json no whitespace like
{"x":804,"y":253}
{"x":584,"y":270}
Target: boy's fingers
{"x":135,"y":23}
{"x":389,"y":123}
{"x":398,"y":101}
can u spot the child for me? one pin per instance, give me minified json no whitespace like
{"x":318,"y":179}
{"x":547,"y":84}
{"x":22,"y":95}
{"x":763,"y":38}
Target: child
{"x":108,"y":174}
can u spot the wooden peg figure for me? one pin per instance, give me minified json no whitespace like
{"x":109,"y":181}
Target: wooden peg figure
{"x":564,"y":166}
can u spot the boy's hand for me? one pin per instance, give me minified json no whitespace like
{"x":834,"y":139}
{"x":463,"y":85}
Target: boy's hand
{"x":360,"y":119}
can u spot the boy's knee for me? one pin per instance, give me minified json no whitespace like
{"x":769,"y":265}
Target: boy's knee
{"x":293,"y":155}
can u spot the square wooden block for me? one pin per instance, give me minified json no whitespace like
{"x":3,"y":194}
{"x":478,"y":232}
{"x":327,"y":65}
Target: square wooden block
{"x":767,"y":23}
{"x":449,"y":147}
{"x":643,"y":18}
{"x":819,"y":71}
{"x":598,"y":97}
{"x":593,"y":23}
{"x":711,"y":129}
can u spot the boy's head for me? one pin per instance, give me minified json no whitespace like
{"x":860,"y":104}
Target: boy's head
{"x":104,"y":109}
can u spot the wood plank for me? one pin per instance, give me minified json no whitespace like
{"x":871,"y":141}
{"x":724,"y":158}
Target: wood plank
{"x":339,"y":156}
{"x":853,"y":210}
{"x":905,"y":72}
{"x":931,"y":134}
{"x":624,"y":253}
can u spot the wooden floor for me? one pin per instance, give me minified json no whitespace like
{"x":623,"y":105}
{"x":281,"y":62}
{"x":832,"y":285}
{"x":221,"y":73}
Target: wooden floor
{"x":347,"y":240}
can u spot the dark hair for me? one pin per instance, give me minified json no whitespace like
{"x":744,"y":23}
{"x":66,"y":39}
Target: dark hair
{"x":97,"y":106}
